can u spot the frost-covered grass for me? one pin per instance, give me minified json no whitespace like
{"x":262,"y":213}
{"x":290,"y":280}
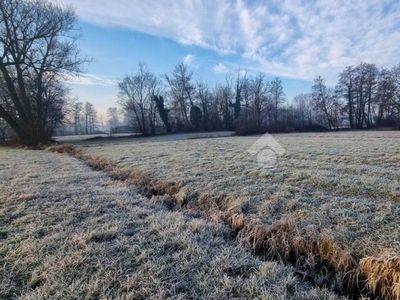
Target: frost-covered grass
{"x":82,"y":137}
{"x":69,"y":232}
{"x":344,"y":184}
{"x":127,"y":137}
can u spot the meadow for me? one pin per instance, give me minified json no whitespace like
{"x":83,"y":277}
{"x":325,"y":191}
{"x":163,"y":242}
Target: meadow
{"x":324,"y":216}
{"x":70,"y":232}
{"x":346,"y":183}
{"x":334,"y":196}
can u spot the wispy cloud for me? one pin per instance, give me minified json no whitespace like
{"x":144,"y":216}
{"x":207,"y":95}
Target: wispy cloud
{"x":188,"y":59}
{"x":220,"y":69}
{"x":91,"y":79}
{"x":294,"y":38}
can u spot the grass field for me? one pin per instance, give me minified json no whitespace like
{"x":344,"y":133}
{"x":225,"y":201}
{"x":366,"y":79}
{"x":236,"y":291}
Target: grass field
{"x":69,"y":232}
{"x":329,"y":209}
{"x":340,"y":189}
{"x":347,"y":183}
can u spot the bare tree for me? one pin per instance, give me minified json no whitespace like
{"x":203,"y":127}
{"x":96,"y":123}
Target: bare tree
{"x":384,"y":110}
{"x":37,"y":50}
{"x":77,"y":117}
{"x":240,"y":82}
{"x":260,"y":90}
{"x":326,"y":104}
{"x":223,"y":97}
{"x":204,"y":98}
{"x":90,"y":117}
{"x":304,"y":108}
{"x":136,"y":94}
{"x":278,"y":97}
{"x":358,"y":86}
{"x":182,"y":91}
{"x":346,"y":89}
{"x":163,"y":112}
{"x":113,"y":116}
{"x":396,"y":82}
{"x":364,"y":90}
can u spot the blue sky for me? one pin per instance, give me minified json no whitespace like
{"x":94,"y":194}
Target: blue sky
{"x":296,"y":40}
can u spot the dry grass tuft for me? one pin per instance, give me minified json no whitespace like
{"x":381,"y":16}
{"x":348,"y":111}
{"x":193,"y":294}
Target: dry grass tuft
{"x":169,"y":188}
{"x":64,"y":148}
{"x":166,"y":200}
{"x":318,"y":259}
{"x":237,"y":221}
{"x":214,"y":207}
{"x":274,"y":240}
{"x":139,"y":178}
{"x":383,"y":276}
{"x":26,"y":197}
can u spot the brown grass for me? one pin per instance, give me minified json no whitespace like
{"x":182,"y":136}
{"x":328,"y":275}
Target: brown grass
{"x":316,"y":256}
{"x":383,"y":276}
{"x":26,"y":197}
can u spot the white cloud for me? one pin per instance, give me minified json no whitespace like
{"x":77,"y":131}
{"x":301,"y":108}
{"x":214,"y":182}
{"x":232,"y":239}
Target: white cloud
{"x":91,"y":79}
{"x":295,"y":38}
{"x":188,"y":59}
{"x":220,"y":69}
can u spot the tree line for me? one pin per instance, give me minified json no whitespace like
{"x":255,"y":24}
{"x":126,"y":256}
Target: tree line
{"x":363,"y":98}
{"x":178,"y":103}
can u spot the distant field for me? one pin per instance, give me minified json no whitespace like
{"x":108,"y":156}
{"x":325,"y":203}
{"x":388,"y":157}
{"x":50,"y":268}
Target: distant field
{"x":69,"y":232}
{"x":121,"y":136}
{"x":81,"y":137}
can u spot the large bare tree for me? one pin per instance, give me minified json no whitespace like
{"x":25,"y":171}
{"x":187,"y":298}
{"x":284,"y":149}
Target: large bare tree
{"x":37,"y":50}
{"x":136,"y":95}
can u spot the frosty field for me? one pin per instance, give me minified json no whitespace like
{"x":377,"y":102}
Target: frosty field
{"x":69,"y":232}
{"x":336,"y":196}
{"x":327,"y":213}
{"x":346,"y":183}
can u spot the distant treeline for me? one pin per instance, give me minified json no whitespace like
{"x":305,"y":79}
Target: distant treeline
{"x":364,"y":97}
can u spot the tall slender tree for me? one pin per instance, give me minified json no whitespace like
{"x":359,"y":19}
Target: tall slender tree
{"x":278,"y":97}
{"x":182,"y":91}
